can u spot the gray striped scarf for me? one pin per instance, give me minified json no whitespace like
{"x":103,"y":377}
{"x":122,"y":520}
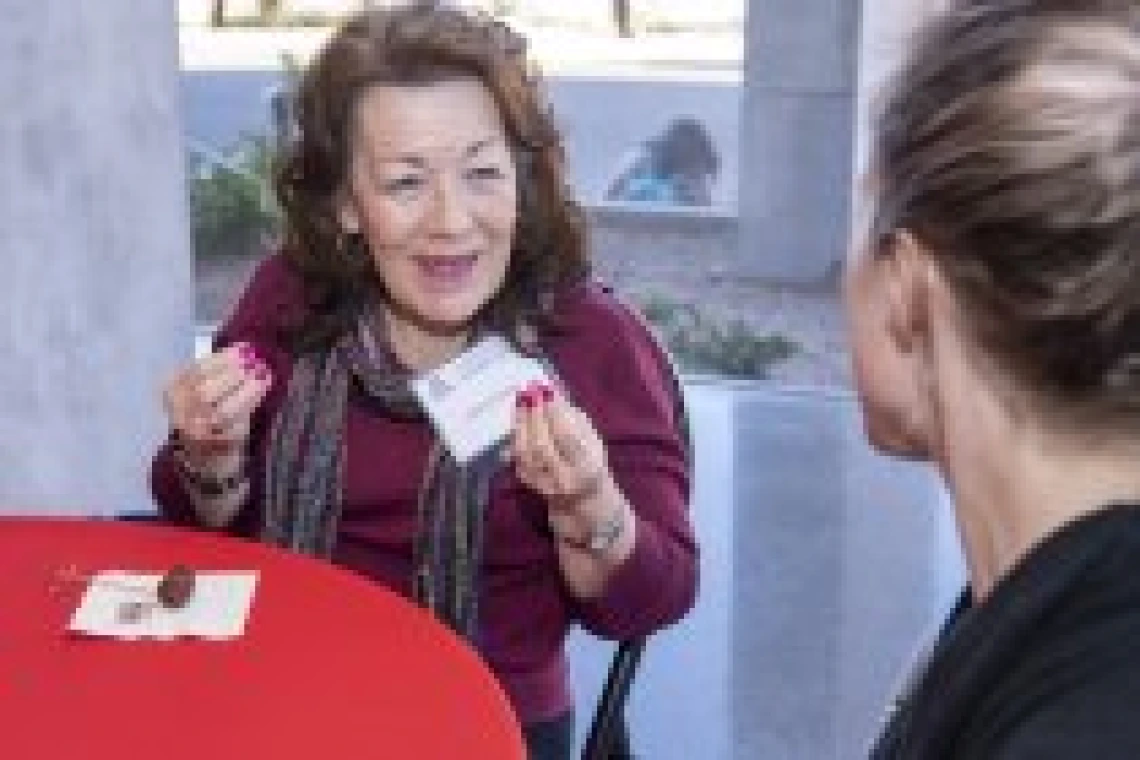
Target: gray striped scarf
{"x":305,"y":472}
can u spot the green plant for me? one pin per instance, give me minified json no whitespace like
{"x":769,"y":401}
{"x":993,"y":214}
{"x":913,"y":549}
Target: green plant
{"x":700,"y":344}
{"x":231,"y":202}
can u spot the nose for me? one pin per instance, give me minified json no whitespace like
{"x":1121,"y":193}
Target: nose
{"x":450,"y":214}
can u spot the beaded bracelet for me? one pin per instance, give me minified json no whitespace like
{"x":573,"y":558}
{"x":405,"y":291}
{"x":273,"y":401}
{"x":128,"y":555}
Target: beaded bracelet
{"x":202,"y":482}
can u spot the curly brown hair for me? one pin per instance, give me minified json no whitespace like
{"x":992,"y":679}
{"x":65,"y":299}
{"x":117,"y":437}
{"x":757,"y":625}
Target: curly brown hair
{"x":421,"y":44}
{"x":1010,"y":145}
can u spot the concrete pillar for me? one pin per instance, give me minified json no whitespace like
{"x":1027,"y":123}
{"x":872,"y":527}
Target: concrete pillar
{"x":96,"y":298}
{"x":887,"y":26}
{"x":796,"y":137}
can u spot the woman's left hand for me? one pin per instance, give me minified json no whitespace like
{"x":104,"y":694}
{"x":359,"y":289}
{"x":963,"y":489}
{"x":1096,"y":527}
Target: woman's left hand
{"x":558,"y":453}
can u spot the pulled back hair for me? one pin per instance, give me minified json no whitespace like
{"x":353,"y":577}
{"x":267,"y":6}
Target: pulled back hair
{"x":1010,"y":146}
{"x":420,"y":44}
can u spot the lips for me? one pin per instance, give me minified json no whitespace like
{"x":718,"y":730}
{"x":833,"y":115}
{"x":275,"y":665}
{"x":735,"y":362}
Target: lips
{"x":443,"y":273}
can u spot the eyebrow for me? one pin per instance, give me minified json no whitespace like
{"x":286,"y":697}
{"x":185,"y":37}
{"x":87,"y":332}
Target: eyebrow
{"x":480,"y":146}
{"x":418,"y":161}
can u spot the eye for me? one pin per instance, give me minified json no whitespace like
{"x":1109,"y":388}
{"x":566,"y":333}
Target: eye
{"x":401,"y":185}
{"x":485,"y":172}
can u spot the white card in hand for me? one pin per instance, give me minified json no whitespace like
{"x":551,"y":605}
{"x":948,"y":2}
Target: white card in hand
{"x":471,"y":399}
{"x":217,"y":609}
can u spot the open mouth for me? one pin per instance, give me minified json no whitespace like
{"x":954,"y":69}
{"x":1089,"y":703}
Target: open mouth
{"x":444,"y":273}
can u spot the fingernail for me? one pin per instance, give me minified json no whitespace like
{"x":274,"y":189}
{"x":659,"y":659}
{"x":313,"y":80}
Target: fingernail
{"x":546,"y":392}
{"x":524,"y":399}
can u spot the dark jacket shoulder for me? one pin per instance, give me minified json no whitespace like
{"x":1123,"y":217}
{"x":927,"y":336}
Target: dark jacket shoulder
{"x":1095,"y":719}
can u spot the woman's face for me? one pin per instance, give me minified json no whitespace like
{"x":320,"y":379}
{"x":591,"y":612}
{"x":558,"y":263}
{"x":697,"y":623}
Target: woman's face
{"x":432,"y":190}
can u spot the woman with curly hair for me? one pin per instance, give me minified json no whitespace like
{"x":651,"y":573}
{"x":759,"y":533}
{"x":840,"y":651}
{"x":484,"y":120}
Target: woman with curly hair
{"x":426,"y":210}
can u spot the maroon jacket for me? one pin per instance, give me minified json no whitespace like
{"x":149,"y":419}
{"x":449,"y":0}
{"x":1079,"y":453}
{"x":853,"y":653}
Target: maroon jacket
{"x":612,"y":370}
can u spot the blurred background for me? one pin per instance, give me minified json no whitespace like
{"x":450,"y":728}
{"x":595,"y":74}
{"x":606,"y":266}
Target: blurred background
{"x":714,"y":146}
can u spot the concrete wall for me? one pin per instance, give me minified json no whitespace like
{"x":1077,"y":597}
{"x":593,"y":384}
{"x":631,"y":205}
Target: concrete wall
{"x":797,"y":136}
{"x":96,"y":297}
{"x":679,"y":249}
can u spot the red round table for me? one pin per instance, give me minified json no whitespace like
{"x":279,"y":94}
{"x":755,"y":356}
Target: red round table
{"x":330,"y":664}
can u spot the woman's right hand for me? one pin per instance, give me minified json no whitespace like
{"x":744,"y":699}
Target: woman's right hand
{"x":210,"y":403}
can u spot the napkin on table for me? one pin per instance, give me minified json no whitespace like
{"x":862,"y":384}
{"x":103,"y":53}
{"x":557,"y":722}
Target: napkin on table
{"x":218,"y":608}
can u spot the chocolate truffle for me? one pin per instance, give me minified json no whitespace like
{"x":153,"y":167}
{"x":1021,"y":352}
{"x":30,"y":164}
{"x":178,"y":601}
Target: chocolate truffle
{"x":176,"y":587}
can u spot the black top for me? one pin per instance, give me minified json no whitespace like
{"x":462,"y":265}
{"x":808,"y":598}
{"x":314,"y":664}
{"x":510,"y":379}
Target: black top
{"x":1047,"y":667}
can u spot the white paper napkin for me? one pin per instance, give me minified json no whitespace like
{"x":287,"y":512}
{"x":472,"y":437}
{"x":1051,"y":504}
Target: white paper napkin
{"x":218,"y":608}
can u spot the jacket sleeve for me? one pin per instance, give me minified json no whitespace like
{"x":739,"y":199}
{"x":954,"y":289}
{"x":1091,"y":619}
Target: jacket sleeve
{"x":266,"y":305}
{"x":632,"y":398}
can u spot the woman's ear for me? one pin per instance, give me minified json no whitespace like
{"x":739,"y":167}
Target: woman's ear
{"x":895,"y":368}
{"x":907,"y":286}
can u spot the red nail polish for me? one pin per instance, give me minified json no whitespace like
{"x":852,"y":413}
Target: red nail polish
{"x":546,"y":392}
{"x":524,"y":399}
